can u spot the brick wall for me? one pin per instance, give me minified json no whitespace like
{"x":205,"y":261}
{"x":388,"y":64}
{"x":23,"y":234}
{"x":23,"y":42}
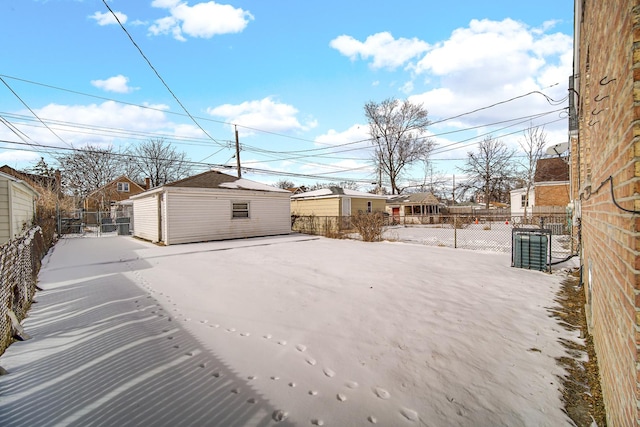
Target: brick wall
{"x":552,"y":195}
{"x":608,"y":74}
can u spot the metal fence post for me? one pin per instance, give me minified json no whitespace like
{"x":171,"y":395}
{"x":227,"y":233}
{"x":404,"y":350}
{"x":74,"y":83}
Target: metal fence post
{"x":455,"y":232}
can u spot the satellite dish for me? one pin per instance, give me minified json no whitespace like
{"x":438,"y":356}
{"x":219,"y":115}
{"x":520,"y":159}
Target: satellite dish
{"x":558,"y":149}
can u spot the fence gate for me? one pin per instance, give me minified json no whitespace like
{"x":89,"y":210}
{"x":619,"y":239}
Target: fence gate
{"x":98,"y":223}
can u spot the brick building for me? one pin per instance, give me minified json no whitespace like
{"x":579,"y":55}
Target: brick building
{"x":605,"y":170}
{"x":551,"y":182}
{"x":109,"y":194}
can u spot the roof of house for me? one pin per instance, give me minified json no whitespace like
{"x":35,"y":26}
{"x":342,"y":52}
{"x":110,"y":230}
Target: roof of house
{"x":31,"y":178}
{"x":297,"y":190}
{"x":18,"y":181}
{"x":215,"y":179}
{"x":552,"y":169}
{"x":118,"y":179}
{"x":336,"y":192}
{"x":414,"y":199}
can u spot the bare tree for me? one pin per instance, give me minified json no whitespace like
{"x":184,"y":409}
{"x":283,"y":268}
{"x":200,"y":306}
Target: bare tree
{"x":159,"y":161}
{"x":87,"y":169}
{"x":397,"y":131}
{"x":533,"y":146}
{"x":434,"y":182}
{"x":349,"y":185}
{"x":284,"y":184}
{"x":490,"y":170}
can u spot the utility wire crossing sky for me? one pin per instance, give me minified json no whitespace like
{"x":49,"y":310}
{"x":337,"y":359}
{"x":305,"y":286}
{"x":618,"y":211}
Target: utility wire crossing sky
{"x":293,"y":79}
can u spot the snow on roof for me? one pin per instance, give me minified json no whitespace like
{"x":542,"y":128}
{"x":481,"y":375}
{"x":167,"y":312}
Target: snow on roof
{"x":246,"y":184}
{"x":416,"y":198}
{"x":336,"y":191}
{"x":216,"y":179}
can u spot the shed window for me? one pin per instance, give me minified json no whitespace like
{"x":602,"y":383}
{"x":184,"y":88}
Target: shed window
{"x":369,"y":206}
{"x":123,"y":187}
{"x":240,"y":210}
{"x":524,"y":202}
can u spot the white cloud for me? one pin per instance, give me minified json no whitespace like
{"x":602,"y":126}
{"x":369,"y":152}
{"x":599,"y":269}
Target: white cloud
{"x":11,"y":157}
{"x":386,"y":51}
{"x":107,"y":18}
{"x":483,"y":43}
{"x":166,"y":4}
{"x":203,"y":20}
{"x":489,"y":62}
{"x":407,"y":88}
{"x":118,"y":84}
{"x":340,"y":168}
{"x":264,"y":114}
{"x":79,"y":125}
{"x":138,"y":23}
{"x":355,"y":133}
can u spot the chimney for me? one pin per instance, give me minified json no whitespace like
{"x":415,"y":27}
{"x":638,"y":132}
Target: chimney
{"x":147,"y":183}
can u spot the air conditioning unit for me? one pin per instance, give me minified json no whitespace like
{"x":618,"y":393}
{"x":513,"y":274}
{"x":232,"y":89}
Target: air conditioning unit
{"x":556,"y":229}
{"x":531,"y":248}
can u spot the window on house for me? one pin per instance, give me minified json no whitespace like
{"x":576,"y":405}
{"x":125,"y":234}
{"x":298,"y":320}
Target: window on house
{"x":240,"y":210}
{"x":369,"y":207}
{"x":123,"y":187}
{"x":524,"y":201}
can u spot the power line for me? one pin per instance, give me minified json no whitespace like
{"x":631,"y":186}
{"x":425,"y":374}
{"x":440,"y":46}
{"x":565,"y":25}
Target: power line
{"x":330,"y":145}
{"x":158,"y":74}
{"x":320,"y":175}
{"x":114,"y":132}
{"x":550,"y":100}
{"x":33,"y":112}
{"x":442,"y":149}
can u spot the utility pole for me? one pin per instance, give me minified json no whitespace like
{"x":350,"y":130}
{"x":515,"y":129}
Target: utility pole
{"x":238,"y":153}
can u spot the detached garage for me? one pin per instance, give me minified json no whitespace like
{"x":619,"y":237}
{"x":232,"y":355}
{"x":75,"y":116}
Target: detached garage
{"x":210,"y":206}
{"x":17,"y":207}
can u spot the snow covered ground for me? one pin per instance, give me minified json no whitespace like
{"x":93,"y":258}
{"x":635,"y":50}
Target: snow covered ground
{"x":288,"y":330}
{"x":494,"y":236}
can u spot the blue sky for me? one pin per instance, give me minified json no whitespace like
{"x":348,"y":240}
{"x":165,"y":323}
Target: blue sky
{"x":293,"y":75}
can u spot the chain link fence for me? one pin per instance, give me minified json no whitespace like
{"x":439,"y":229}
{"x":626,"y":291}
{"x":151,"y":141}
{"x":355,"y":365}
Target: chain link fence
{"x":97,"y":223}
{"x":491,"y":233}
{"x":20,"y":261}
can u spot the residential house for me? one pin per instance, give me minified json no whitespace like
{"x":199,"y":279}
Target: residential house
{"x":416,"y":208}
{"x":551,"y":184}
{"x":604,"y":129}
{"x":335,"y":202}
{"x":549,"y":193}
{"x":17,"y":206}
{"x":297,"y":190}
{"x":210,"y":206}
{"x":108,"y":195}
{"x":520,"y":201}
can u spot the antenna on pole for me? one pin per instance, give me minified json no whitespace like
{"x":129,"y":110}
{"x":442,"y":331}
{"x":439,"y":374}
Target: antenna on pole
{"x":238,"y":153}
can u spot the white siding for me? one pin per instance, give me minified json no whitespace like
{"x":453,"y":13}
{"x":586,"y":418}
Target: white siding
{"x":516,"y":201}
{"x":22,"y":208}
{"x":197,"y":215}
{"x":4,"y":210}
{"x":17,"y":208}
{"x":145,"y":217}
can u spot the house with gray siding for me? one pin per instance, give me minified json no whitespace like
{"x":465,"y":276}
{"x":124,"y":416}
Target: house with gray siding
{"x":210,"y":206}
